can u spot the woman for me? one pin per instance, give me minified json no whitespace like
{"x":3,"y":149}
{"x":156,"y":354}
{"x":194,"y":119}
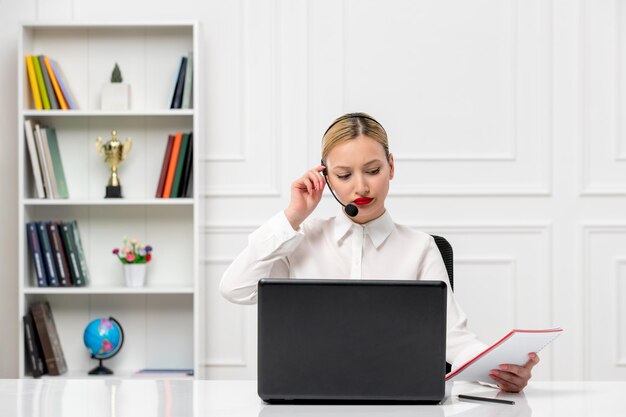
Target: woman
{"x":357,"y":163}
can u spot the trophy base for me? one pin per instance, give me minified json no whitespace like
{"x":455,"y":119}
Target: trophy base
{"x":113,"y":191}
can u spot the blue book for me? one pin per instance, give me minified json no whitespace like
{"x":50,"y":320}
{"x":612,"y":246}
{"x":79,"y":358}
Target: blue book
{"x":48,"y":256}
{"x":35,"y":250}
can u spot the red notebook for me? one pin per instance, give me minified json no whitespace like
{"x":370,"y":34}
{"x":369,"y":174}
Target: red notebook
{"x":512,"y":348}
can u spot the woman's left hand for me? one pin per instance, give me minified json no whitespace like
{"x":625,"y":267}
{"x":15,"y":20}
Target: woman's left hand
{"x":513,"y":378}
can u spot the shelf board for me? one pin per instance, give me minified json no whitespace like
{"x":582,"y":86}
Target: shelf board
{"x":106,"y":290}
{"x":119,"y":374}
{"x":110,"y":202}
{"x":90,"y":113}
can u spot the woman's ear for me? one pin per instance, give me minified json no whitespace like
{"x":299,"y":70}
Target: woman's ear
{"x":391,"y":166}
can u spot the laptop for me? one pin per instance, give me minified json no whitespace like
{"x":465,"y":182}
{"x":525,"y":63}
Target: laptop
{"x":351,"y":341}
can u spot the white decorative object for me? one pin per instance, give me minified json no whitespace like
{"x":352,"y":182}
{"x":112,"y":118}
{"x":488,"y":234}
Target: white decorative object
{"x":135,"y":275}
{"x":116,"y":94}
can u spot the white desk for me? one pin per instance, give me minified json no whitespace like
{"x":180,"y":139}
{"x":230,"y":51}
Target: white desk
{"x":169,"y":398}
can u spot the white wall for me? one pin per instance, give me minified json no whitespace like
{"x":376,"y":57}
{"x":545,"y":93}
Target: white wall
{"x":504,"y":116}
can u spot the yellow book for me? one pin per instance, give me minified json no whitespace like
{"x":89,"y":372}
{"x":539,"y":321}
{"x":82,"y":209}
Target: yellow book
{"x":55,"y":84}
{"x":32,"y":78}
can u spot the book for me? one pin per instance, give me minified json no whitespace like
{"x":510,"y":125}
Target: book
{"x":32,"y":80}
{"x":34,"y":158}
{"x":512,"y":349}
{"x":164,"y":166}
{"x":54,"y":103}
{"x":34,"y":356}
{"x":46,"y":150}
{"x":35,"y":250}
{"x":57,"y":164}
{"x":45,"y":174}
{"x":188,"y":87}
{"x":64,"y":86}
{"x":82,"y":260}
{"x":48,"y":256}
{"x":49,"y":337}
{"x":177,"y":97}
{"x":71,"y":252}
{"x":180,"y":162}
{"x":187,"y":169}
{"x":65,"y":278}
{"x":55,"y":84}
{"x":40,"y":82}
{"x":171,"y":169}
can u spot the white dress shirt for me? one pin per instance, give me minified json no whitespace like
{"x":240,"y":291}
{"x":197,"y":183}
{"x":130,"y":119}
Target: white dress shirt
{"x":338,"y":248}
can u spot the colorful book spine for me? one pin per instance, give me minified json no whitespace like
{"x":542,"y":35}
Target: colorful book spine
{"x":180,"y":162}
{"x":177,"y":97}
{"x":54,"y":103}
{"x":57,"y":164}
{"x":72,"y":254}
{"x":45,"y":174}
{"x":63,"y":85}
{"x":32,"y":79}
{"x":55,"y":84}
{"x":187,"y":89}
{"x":82,"y":259}
{"x":48,"y":256}
{"x":50,"y":342}
{"x":65,"y":279}
{"x":164,"y":166}
{"x":46,"y":149}
{"x":40,"y":82}
{"x":34,"y":158}
{"x":171,"y":169}
{"x":187,"y":170}
{"x":35,"y":249}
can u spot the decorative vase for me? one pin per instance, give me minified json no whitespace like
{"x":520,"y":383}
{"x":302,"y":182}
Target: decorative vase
{"x":116,"y":96}
{"x":135,"y":275}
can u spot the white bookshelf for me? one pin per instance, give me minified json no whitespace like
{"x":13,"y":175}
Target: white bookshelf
{"x":160,"y":320}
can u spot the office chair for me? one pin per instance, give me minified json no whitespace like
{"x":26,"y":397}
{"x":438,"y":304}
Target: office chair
{"x":445,"y":248}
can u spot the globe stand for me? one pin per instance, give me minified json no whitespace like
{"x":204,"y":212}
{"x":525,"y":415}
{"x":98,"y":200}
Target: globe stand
{"x":100,"y":370}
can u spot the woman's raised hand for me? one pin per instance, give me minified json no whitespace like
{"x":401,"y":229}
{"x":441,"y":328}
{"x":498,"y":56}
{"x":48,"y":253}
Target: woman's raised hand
{"x":306,"y":193}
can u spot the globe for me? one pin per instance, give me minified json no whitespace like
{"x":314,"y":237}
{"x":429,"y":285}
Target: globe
{"x":104,"y":338}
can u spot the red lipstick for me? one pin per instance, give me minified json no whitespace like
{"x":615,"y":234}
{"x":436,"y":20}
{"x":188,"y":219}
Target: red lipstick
{"x":361,"y":201}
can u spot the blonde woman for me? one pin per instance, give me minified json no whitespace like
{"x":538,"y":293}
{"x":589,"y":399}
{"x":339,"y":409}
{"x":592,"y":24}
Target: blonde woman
{"x":358,"y":166}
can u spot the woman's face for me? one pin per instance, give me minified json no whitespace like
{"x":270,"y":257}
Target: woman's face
{"x":359,"y":173}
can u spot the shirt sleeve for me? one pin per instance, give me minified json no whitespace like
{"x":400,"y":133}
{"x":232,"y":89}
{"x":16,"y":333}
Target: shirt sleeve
{"x":461,"y":344}
{"x":264,"y":257}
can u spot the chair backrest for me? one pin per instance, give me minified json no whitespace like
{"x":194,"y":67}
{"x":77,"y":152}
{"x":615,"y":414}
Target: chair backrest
{"x":448,"y":257}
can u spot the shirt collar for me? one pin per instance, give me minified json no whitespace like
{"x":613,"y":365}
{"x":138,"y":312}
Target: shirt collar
{"x":378,"y":229}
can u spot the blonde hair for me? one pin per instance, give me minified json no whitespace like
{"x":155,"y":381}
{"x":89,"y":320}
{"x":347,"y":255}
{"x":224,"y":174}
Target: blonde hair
{"x":350,"y":126}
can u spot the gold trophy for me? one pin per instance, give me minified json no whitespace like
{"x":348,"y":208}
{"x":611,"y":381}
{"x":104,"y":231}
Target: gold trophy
{"x":113,"y":152}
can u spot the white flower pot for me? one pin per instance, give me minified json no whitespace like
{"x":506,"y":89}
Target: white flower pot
{"x":115,"y":96}
{"x":135,"y":275}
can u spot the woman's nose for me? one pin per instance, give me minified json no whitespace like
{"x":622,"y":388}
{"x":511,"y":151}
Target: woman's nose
{"x":362,"y":187}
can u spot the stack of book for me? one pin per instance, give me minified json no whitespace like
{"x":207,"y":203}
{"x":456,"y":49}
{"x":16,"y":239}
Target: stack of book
{"x":182,"y":98}
{"x":57,"y":254}
{"x":176,"y":170}
{"x":44,"y":354}
{"x":45,"y":160}
{"x":48,"y":87}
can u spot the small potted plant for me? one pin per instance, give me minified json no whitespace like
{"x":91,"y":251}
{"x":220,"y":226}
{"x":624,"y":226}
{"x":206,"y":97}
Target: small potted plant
{"x":134,"y":258}
{"x":116,"y":94}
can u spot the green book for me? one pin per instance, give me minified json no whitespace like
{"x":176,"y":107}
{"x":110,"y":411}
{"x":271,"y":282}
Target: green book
{"x":57,"y":165}
{"x":178,"y":174}
{"x":41,"y":83}
{"x":82,"y":260}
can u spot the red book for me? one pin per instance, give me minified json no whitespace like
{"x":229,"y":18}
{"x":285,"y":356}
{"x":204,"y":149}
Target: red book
{"x":171,"y":169}
{"x":166,"y":160}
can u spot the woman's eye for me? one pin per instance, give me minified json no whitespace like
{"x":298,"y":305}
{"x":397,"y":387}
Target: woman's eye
{"x":374,"y":171}
{"x":343,"y":176}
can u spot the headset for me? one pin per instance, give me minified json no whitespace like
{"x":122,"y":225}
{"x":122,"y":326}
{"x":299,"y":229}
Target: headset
{"x":350,"y":209}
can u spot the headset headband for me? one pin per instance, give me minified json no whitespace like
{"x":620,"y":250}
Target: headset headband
{"x":354,"y":115}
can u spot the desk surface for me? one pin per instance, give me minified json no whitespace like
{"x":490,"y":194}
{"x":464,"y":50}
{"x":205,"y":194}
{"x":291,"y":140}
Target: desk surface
{"x":169,"y":398}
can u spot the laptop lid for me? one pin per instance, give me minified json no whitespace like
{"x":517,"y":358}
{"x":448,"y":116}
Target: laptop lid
{"x":351,"y":340}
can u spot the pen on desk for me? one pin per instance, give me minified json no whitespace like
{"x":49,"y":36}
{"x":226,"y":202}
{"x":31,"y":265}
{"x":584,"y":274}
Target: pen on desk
{"x":491,"y":400}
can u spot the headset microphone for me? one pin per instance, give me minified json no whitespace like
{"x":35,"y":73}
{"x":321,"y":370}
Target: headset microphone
{"x":351,"y":210}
